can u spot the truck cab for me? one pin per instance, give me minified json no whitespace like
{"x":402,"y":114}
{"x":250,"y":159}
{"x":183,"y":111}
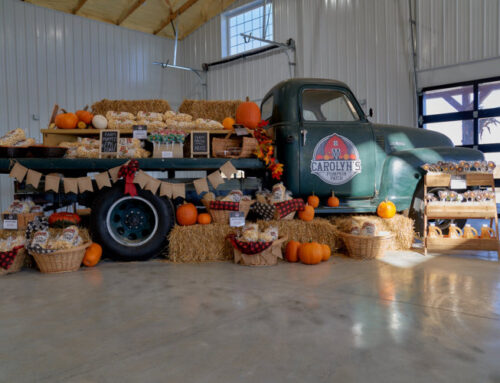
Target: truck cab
{"x":328,"y":144}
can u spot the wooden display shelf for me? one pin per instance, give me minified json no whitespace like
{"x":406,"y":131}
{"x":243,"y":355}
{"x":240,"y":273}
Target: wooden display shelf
{"x":448,"y":244}
{"x":464,"y":210}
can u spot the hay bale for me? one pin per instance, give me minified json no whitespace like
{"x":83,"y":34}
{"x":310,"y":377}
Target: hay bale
{"x":130,"y":106}
{"x":205,"y":243}
{"x":212,"y":110}
{"x":401,"y":226}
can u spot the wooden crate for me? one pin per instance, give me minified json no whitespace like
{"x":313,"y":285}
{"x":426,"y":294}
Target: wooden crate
{"x":456,"y":211}
{"x":448,"y":244}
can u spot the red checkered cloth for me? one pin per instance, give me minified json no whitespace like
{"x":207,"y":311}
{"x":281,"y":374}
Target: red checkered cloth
{"x":287,"y":207}
{"x":7,"y":257}
{"x":224,"y":205}
{"x":249,"y":248}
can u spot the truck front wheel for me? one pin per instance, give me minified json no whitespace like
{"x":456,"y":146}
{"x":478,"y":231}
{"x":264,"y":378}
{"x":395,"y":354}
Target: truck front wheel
{"x":131,"y":228}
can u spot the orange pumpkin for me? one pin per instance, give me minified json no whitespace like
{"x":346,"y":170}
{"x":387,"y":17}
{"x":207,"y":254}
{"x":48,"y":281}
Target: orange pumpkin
{"x":291,"y":251}
{"x":186,"y":214}
{"x":386,"y":209}
{"x":333,"y":201}
{"x":313,"y":200}
{"x":327,"y":252}
{"x":85,"y":116}
{"x":248,"y":114}
{"x":66,"y":120}
{"x":204,"y":219}
{"x":311,"y":253}
{"x":307,"y":214}
{"x":228,"y":123}
{"x":92,"y":255}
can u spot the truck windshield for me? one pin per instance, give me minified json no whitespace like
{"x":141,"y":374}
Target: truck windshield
{"x":327,"y":105}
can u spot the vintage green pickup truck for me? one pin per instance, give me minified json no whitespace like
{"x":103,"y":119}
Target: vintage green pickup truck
{"x":323,"y":138}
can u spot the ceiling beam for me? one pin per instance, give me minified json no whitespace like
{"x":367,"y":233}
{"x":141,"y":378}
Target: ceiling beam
{"x":128,"y":12}
{"x":173,"y":15}
{"x":79,"y":6}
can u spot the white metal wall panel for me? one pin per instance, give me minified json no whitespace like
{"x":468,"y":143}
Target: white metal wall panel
{"x":49,"y":57}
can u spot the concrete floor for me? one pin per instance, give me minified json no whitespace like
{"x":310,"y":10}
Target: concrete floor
{"x":405,"y":318}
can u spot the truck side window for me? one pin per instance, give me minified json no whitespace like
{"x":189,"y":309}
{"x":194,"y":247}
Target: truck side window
{"x":327,"y":105}
{"x":267,"y":108}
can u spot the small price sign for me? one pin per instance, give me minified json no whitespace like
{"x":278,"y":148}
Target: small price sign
{"x":167,"y":154}
{"x":140,"y":132}
{"x":236,"y":219}
{"x":9,"y":221}
{"x":458,"y":182}
{"x":240,"y":130}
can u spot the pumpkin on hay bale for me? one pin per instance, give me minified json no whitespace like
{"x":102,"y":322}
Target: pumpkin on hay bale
{"x":401,"y":226}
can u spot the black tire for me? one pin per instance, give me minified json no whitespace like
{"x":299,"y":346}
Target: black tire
{"x":417,"y":214}
{"x":109,"y":232}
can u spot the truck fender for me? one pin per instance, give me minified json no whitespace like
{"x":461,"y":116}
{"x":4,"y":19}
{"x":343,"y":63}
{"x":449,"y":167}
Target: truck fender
{"x":402,"y":170}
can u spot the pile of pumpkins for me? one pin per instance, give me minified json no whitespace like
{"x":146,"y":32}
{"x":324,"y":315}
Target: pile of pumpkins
{"x":309,"y":253}
{"x":187,"y":215}
{"x":81,"y":119}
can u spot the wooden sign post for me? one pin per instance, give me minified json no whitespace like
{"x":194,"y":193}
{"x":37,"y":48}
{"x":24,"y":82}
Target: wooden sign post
{"x":200,"y":144}
{"x":108,"y":143}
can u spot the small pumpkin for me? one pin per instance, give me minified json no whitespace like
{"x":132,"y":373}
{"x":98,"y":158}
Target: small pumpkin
{"x":186,"y":214}
{"x":292,"y":250}
{"x":85,"y":116}
{"x":307,"y":214}
{"x":313,"y":200}
{"x":66,"y":121}
{"x":81,"y":125}
{"x":386,"y":209}
{"x":228,"y":123}
{"x":248,"y":114}
{"x":63,"y":219}
{"x":327,"y":252}
{"x":333,"y":201}
{"x":99,"y":122}
{"x":92,"y":255}
{"x":311,"y":253}
{"x":204,"y":219}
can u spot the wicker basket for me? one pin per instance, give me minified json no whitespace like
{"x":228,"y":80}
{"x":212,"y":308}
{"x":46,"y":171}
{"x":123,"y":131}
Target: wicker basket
{"x":24,"y":218}
{"x":366,"y":247}
{"x":221,"y":147}
{"x":222,"y":216}
{"x":61,"y":261}
{"x":18,"y":263}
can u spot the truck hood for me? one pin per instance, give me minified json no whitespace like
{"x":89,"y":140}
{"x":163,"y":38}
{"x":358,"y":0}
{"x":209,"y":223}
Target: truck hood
{"x":396,"y":138}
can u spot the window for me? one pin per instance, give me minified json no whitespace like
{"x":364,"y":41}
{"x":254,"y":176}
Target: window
{"x":251,"y":19}
{"x":267,"y":108}
{"x":468,"y":113}
{"x":327,"y":105}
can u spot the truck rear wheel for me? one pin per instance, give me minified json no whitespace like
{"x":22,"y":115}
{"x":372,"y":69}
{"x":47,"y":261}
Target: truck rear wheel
{"x":417,"y":212}
{"x":131,"y":228}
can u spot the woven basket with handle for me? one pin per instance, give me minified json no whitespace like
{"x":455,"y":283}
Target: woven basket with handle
{"x":221,"y":147}
{"x":222,"y":216}
{"x":366,"y":247}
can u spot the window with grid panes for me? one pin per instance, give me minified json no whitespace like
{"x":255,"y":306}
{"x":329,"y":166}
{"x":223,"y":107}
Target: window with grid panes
{"x":250,"y":20}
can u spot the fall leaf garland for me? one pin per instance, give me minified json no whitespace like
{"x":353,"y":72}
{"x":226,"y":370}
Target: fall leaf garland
{"x":265,"y":152}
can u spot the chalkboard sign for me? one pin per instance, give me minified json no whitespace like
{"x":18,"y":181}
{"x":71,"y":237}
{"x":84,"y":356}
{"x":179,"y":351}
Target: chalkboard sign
{"x":108,"y":142}
{"x":200,"y":144}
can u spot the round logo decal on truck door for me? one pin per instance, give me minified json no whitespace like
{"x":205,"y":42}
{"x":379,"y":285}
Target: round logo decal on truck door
{"x":335,"y":160}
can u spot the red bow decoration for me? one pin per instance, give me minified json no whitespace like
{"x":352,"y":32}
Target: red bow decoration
{"x":127,"y":171}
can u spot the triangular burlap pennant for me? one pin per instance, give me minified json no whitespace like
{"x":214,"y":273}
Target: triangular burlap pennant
{"x":215,"y":179}
{"x":141,"y":179}
{"x":228,"y":169}
{"x":113,"y":173}
{"x":166,"y":189}
{"x":33,"y":178}
{"x":201,"y":185}
{"x":153,"y":185}
{"x":102,"y":180}
{"x":179,"y":190}
{"x":70,"y":185}
{"x":85,"y":184}
{"x":52,"y":182}
{"x":18,"y":172}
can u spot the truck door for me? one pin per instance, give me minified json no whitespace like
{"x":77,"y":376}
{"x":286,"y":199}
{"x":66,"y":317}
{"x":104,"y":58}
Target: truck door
{"x":337,"y":148}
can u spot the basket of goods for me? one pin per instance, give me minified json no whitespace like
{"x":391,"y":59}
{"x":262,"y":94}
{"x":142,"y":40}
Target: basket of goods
{"x":26,"y":212}
{"x":234,"y":147}
{"x":367,"y":243}
{"x":256,"y":248}
{"x":56,"y":250}
{"x":220,"y":209}
{"x":167,"y":143}
{"x":278,"y":204}
{"x":14,"y":144}
{"x":12,"y":252}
